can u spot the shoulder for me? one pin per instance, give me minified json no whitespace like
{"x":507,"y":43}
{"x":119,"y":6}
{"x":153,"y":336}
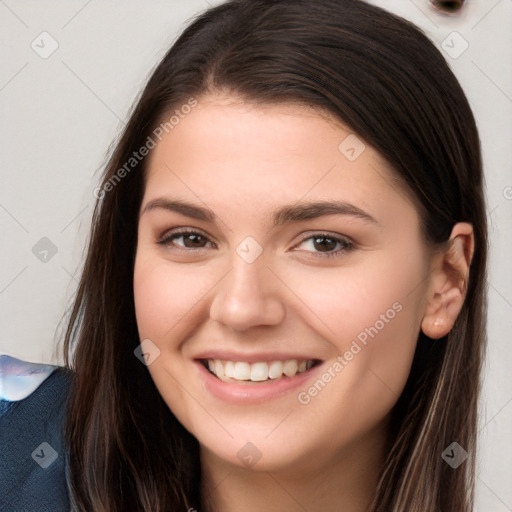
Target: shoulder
{"x":32,"y":450}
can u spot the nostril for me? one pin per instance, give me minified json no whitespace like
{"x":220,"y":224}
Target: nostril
{"x":451,"y":7}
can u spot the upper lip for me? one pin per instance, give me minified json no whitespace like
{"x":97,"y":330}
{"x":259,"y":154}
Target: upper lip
{"x":253,"y":358}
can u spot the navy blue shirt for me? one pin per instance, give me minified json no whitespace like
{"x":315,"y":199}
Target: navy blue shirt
{"x":33,"y":469}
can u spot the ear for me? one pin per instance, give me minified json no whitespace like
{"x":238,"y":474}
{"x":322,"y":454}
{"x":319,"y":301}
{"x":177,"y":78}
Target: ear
{"x":448,"y":282}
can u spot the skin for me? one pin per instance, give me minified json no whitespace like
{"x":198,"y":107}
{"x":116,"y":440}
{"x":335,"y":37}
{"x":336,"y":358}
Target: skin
{"x":241,"y":161}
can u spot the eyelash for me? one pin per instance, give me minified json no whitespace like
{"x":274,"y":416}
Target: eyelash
{"x":346,"y":244}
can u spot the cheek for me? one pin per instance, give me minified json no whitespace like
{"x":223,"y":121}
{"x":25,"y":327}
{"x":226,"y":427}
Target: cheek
{"x":371,"y":316}
{"x":344,"y":302}
{"x":167,"y":305}
{"x":164,"y":296}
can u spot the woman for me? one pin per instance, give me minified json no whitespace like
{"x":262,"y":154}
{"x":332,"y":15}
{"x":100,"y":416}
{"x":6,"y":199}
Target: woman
{"x":282,"y":305}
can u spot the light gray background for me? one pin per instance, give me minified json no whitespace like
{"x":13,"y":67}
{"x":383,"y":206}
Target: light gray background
{"x":59,"y":115}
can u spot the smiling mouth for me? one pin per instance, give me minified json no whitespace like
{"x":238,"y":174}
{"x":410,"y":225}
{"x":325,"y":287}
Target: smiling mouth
{"x":264,"y":371}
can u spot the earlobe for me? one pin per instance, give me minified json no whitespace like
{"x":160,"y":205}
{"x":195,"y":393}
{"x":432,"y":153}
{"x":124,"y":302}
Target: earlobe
{"x":448,"y":282}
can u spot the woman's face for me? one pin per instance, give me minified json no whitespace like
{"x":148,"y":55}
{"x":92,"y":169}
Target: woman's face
{"x":276,"y":249}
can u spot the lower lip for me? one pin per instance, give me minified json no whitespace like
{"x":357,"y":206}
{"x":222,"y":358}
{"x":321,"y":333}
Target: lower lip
{"x":253,"y":392}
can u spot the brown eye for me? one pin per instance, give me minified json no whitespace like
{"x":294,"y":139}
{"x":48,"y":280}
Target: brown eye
{"x":193,"y":240}
{"x":186,"y":239}
{"x":325,"y":245}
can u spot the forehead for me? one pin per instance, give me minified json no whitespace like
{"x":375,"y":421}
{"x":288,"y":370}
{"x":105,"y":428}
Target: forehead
{"x":225,"y":127}
{"x":251,"y":156}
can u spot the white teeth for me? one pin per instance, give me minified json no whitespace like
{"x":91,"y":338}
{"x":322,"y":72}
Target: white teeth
{"x":275,"y":369}
{"x":219,"y":369}
{"x":229,"y":369}
{"x":290,"y":367}
{"x":257,"y":372}
{"x":242,"y":371}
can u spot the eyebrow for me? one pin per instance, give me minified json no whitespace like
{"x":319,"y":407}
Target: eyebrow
{"x":282,"y":215}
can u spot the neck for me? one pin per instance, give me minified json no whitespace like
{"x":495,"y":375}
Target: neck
{"x":346,"y":478}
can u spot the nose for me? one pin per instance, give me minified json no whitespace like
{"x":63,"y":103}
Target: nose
{"x":248,"y":296}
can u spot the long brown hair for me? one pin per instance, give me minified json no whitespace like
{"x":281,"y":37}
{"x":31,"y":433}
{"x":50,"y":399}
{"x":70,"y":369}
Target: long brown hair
{"x":383,"y":78}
